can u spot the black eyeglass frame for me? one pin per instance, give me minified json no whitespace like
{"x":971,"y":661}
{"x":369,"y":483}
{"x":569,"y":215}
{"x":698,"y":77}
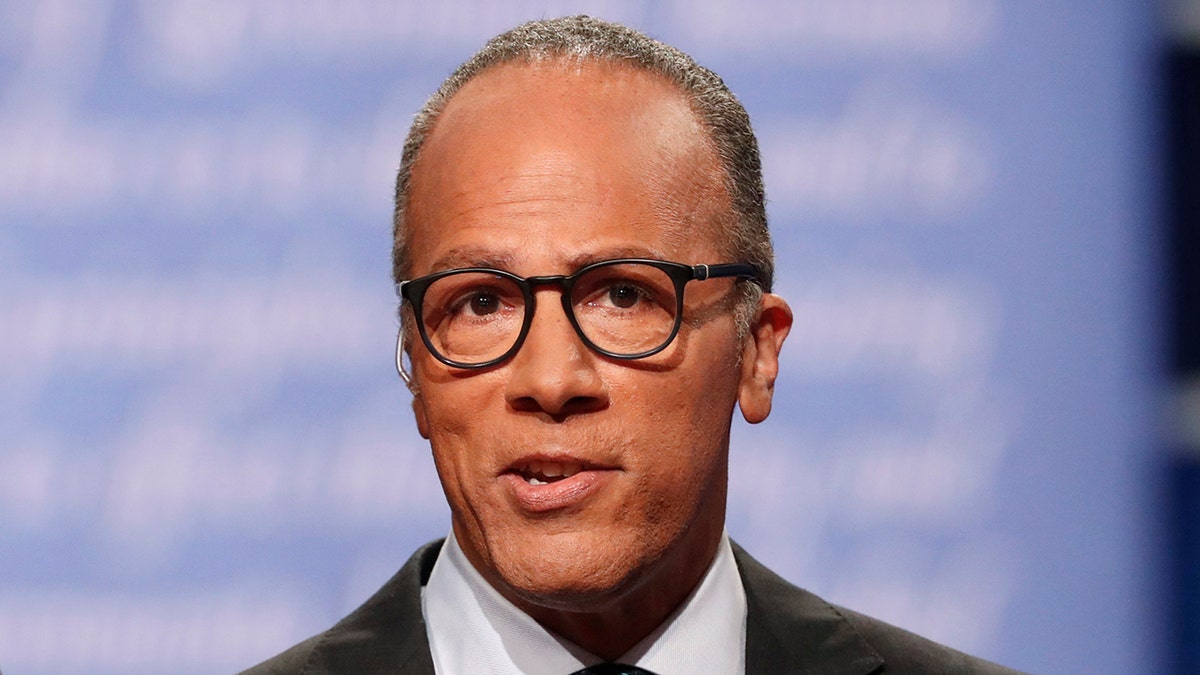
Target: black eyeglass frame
{"x":413,"y":291}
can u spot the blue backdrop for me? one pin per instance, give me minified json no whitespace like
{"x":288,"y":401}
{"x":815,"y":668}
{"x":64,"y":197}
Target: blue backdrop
{"x":205,"y":454}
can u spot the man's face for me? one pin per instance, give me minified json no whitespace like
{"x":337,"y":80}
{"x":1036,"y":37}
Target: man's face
{"x":538,"y":170}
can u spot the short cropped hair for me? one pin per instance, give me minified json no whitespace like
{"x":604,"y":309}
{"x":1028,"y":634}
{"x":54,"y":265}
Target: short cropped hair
{"x":583,"y":38}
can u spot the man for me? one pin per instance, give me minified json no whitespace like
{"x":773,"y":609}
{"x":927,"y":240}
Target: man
{"x":604,"y":179}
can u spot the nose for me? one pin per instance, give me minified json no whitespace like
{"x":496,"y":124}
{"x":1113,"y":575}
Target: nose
{"x":554,"y":372}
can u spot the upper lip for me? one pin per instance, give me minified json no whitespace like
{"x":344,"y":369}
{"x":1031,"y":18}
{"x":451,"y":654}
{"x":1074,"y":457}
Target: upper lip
{"x":553,"y":466}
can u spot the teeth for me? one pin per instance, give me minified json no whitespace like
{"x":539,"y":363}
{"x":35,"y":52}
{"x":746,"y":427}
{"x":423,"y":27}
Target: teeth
{"x":539,"y":472}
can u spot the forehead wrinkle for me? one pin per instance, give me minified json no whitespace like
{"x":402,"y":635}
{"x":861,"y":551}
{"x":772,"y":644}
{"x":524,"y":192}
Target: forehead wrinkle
{"x":509,"y":191}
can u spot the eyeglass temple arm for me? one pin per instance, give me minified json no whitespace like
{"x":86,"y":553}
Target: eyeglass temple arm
{"x":744,"y":270}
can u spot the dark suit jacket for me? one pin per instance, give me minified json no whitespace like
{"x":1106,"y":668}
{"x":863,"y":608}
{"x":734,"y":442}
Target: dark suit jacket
{"x":788,"y":630}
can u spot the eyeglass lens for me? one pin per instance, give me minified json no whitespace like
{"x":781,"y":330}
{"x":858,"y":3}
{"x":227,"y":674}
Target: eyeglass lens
{"x":625,"y":309}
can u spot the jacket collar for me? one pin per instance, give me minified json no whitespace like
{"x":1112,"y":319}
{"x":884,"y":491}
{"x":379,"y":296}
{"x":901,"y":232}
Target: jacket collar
{"x":787,"y":629}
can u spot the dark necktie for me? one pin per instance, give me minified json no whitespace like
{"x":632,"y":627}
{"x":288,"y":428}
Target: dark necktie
{"x":612,"y":669}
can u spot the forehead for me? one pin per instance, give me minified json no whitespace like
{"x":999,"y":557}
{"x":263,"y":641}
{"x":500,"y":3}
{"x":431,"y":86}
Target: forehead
{"x":606,"y":151}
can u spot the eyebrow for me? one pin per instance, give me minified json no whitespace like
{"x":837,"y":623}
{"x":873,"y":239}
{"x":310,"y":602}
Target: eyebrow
{"x":613,"y":253}
{"x":472,"y":256}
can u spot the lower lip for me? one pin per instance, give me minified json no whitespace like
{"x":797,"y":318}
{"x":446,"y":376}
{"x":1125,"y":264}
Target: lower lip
{"x":561,"y":494}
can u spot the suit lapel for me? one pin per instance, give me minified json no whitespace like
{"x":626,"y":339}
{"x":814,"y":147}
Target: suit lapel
{"x":789,"y":630}
{"x":387,"y":633}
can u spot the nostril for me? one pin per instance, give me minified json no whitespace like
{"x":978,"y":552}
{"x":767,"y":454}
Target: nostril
{"x":556,"y":379}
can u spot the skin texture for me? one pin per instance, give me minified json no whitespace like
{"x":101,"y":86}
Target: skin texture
{"x":540,"y":169}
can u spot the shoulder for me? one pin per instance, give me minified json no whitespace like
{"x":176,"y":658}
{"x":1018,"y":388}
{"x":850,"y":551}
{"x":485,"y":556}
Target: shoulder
{"x":287,"y":662}
{"x":386,"y":633}
{"x":789,"y":629}
{"x":905,"y":652}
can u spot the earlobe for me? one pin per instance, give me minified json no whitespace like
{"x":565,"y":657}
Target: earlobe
{"x":760,"y":357}
{"x":418,"y":406}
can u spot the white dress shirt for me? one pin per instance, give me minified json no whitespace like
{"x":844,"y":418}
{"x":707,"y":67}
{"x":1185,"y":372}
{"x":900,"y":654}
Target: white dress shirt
{"x":474,"y":629}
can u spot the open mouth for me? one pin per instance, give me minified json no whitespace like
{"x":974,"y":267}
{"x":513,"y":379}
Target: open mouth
{"x":540,"y":472}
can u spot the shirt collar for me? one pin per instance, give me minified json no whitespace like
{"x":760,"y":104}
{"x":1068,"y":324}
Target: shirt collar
{"x":474,"y":629}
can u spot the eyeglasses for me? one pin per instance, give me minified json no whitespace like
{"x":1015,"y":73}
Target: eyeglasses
{"x":629,"y":308}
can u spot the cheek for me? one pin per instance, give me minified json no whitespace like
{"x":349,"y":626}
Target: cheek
{"x":458,"y":407}
{"x":691,"y":427}
{"x":458,"y":428}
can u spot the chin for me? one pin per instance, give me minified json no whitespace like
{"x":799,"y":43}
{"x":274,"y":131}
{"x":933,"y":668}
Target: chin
{"x":577,"y":578}
{"x":588,"y":596}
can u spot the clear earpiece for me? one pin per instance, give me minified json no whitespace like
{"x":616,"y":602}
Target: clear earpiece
{"x":403,"y":372}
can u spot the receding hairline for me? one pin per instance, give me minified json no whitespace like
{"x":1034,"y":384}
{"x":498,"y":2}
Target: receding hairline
{"x":687,"y":156}
{"x":705,"y":173}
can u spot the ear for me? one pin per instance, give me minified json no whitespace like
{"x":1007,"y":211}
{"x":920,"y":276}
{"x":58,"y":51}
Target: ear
{"x":418,"y":406}
{"x":760,"y":357}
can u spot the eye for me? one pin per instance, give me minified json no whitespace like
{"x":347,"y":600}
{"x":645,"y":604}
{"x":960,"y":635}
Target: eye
{"x":477,"y":303}
{"x":625,"y":295}
{"x":622,"y":294}
{"x":624,"y":289}
{"x":482,"y":303}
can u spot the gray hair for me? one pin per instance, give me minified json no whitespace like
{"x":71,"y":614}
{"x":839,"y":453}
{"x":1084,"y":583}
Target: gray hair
{"x":583,"y":38}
